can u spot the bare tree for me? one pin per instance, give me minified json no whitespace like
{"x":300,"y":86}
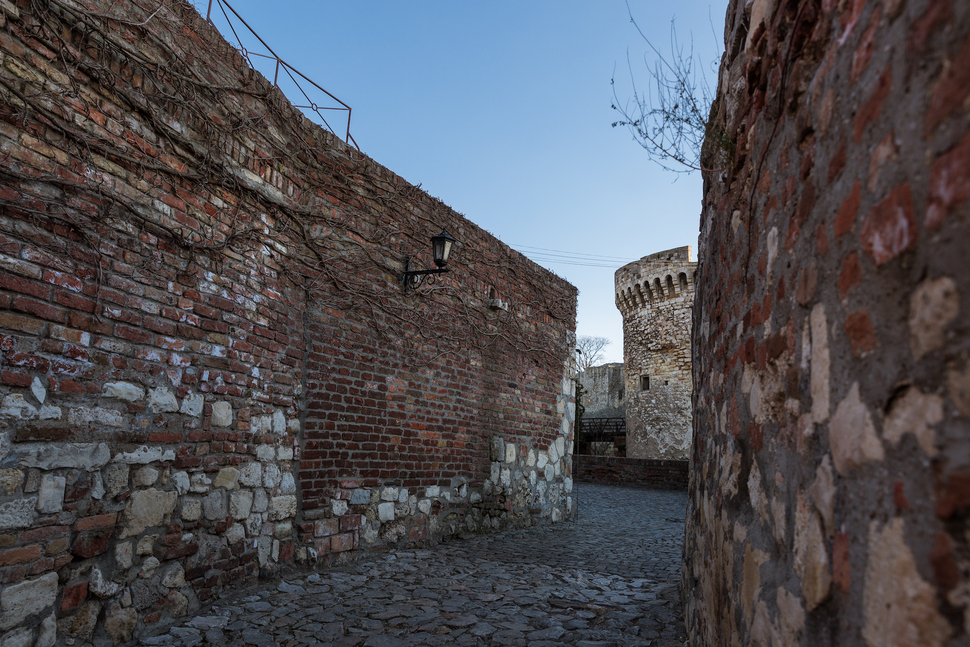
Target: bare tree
{"x":590,"y":350}
{"x":670,"y":116}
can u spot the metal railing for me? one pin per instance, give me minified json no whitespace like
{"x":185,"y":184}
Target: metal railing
{"x":596,"y":435}
{"x":288,"y":70}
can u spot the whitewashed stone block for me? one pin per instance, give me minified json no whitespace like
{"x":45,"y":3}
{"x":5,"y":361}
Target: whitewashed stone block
{"x":123,"y":391}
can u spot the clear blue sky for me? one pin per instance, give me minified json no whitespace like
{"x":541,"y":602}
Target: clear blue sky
{"x":502,"y":110}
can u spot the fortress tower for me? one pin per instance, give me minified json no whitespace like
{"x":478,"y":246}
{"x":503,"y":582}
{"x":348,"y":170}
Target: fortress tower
{"x":655,"y":296}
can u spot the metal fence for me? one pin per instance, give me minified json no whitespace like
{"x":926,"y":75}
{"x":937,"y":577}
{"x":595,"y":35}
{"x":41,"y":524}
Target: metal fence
{"x":305,"y":94}
{"x":601,"y":436}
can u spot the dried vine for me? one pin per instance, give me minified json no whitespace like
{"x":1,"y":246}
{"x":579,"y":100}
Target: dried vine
{"x":332,"y":255}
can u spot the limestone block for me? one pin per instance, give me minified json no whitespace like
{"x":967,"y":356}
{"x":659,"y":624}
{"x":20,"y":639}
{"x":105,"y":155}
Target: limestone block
{"x":251,"y":474}
{"x":115,"y":478}
{"x":260,"y":500}
{"x":339,"y":507}
{"x":553,"y":453}
{"x":228,"y":478}
{"x":47,"y":456}
{"x":284,"y":453}
{"x":201,"y":484}
{"x":266,"y":452}
{"x":361,"y":496}
{"x":424,"y":505}
{"x":283,"y":530}
{"x":81,"y":625}
{"x":235,"y":533}
{"x":15,"y":406}
{"x":124,"y":554}
{"x":120,"y":623}
{"x":530,"y":460}
{"x":543,"y":459}
{"x":561,"y":446}
{"x":240,"y":504}
{"x":96,"y":415}
{"x":506,"y":477}
{"x":253,"y":524}
{"x":181,"y":482}
{"x":191,"y":510}
{"x":899,"y":606}
{"x":123,"y":391}
{"x":173,"y":577}
{"x":148,"y":567}
{"x":101,"y":586}
{"x":279,"y":423}
{"x":497,"y":449}
{"x":178,"y":604}
{"x":50,"y":497}
{"x":385,"y":512}
{"x":549,"y":472}
{"x":820,"y":364}
{"x":811,"y":556}
{"x":261,"y":424}
{"x":389,"y":494}
{"x":145,"y":476}
{"x":17,"y":514}
{"x":145,"y":455}
{"x":271,"y":476}
{"x":852,"y":436}
{"x":49,"y":412}
{"x":916,"y":413}
{"x":23,"y":599}
{"x":264,"y":547}
{"x":287,"y":483}
{"x":496,"y":474}
{"x":402,"y":495}
{"x":47,"y":633}
{"x":214,"y":506}
{"x":933,"y":305}
{"x":192,"y":405}
{"x":146,"y":545}
{"x":510,"y":452}
{"x":97,"y":486}
{"x":282,"y":507}
{"x":22,"y":637}
{"x":38,"y":390}
{"x":161,"y":400}
{"x":432,"y":491}
{"x":10,"y":480}
{"x":146,"y":508}
{"x":221,"y":414}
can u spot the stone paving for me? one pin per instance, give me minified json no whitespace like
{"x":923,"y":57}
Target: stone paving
{"x":609,"y":578}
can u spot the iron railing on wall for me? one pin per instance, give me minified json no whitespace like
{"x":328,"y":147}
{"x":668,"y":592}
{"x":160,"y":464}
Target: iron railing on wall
{"x":302,"y":85}
{"x":601,"y":435}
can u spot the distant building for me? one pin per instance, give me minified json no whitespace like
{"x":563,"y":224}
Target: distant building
{"x":603,"y":391}
{"x":656,"y":296}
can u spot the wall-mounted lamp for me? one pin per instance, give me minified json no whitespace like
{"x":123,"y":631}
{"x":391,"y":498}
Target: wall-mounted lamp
{"x":441,"y":249}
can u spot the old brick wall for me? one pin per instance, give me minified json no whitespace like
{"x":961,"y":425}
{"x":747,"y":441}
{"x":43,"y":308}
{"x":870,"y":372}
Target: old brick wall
{"x":638,"y":472}
{"x":209,"y":370}
{"x":830,"y":477}
{"x":655,"y":295}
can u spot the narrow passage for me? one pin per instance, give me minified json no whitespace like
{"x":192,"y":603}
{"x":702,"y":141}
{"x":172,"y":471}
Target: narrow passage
{"x":609,"y":578}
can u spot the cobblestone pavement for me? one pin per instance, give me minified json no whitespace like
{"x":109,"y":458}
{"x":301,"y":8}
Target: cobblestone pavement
{"x":609,"y":578}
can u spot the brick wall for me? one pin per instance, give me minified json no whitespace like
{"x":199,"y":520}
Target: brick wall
{"x":209,"y":370}
{"x":655,"y":295}
{"x":639,"y":472}
{"x":830,"y":478}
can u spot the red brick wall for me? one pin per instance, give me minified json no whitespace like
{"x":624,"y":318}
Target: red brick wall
{"x":639,"y":472}
{"x":829,"y":476}
{"x":208,"y":367}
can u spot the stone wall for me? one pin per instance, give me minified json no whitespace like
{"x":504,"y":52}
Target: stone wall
{"x":209,"y":370}
{"x":655,"y":295}
{"x":604,"y":391}
{"x":830,"y":478}
{"x":637,"y":472}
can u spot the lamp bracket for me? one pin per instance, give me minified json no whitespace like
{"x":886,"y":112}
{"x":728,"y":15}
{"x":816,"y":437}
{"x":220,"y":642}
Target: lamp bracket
{"x":413,"y":279}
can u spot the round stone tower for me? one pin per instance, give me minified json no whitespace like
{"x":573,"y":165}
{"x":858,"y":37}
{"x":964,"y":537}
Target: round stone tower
{"x":656,"y":296}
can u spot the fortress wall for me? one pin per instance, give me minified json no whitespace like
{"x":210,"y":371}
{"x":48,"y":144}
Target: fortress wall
{"x":209,"y":370}
{"x":656,"y":297}
{"x":830,"y":476}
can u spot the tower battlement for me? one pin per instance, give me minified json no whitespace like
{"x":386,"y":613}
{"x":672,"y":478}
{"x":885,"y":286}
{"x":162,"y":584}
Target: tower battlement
{"x":655,"y":278}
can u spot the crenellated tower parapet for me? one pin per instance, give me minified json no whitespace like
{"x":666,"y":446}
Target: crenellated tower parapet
{"x":655,"y":295}
{"x":654,"y":279}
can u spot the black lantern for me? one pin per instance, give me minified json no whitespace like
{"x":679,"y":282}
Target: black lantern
{"x":441,"y":249}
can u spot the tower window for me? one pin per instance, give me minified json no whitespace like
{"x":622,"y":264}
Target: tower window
{"x":644,"y":382}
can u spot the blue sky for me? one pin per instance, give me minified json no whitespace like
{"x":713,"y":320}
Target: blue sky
{"x":502,"y":110}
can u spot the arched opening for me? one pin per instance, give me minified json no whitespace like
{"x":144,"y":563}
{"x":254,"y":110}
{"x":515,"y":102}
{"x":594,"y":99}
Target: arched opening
{"x":682,"y":277}
{"x":670,"y":285}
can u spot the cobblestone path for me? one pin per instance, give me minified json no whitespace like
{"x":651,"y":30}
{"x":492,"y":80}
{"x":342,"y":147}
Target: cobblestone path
{"x":609,"y":578}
